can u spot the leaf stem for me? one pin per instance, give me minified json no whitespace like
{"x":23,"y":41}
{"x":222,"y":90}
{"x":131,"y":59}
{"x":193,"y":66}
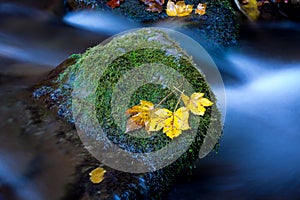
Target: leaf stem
{"x":167,"y":96}
{"x":178,"y":102}
{"x":178,"y":90}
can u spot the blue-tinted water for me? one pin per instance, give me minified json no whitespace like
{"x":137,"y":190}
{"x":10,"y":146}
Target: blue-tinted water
{"x":259,"y":153}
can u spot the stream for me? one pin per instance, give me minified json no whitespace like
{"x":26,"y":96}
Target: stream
{"x":258,"y":157}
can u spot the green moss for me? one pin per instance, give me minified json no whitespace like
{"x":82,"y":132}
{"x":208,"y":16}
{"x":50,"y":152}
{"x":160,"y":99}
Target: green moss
{"x":150,"y":92}
{"x":161,"y":51}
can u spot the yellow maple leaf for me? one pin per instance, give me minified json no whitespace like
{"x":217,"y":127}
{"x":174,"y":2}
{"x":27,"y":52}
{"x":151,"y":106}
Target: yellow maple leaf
{"x":171,"y":9}
{"x":177,"y":122}
{"x":201,"y":9}
{"x":157,"y":119}
{"x":139,"y":115}
{"x":179,"y":9}
{"x":97,"y":175}
{"x":196,"y":103}
{"x":249,"y":8}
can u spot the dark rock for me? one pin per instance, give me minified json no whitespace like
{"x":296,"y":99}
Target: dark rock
{"x":219,"y":26}
{"x":56,"y":93}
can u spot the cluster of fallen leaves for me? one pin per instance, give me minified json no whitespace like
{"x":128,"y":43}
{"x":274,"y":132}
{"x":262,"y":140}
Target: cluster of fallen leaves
{"x":154,"y":119}
{"x":179,"y":9}
{"x":172,"y":123}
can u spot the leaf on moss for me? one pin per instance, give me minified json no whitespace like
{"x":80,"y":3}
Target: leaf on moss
{"x":154,"y":5}
{"x":179,"y":9}
{"x":139,"y":115}
{"x":132,"y":125}
{"x":201,"y":9}
{"x":177,"y":122}
{"x":114,"y":3}
{"x":97,"y":175}
{"x":196,"y":103}
{"x":157,"y":119}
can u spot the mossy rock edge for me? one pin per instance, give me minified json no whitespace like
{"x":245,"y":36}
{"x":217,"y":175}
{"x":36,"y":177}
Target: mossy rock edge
{"x":102,"y":67}
{"x":218,"y":27}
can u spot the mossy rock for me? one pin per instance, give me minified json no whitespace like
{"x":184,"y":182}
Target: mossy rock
{"x":218,"y":26}
{"x":106,"y":80}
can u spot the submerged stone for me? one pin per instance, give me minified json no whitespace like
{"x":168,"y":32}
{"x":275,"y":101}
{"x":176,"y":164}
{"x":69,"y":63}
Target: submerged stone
{"x":98,"y":86}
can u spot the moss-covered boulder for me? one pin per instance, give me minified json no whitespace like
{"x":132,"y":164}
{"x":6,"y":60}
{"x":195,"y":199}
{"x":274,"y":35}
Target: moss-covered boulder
{"x":93,"y":90}
{"x":218,"y":26}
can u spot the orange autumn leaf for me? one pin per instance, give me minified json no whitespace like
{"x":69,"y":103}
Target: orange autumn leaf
{"x":97,"y":175}
{"x":114,"y":3}
{"x":176,"y":123}
{"x":154,"y":5}
{"x":196,"y":103}
{"x":132,"y":125}
{"x":201,"y":9}
{"x":179,"y":9}
{"x":139,"y":115}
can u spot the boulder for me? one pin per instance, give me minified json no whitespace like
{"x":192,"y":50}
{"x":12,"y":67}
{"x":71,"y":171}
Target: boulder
{"x":99,"y":85}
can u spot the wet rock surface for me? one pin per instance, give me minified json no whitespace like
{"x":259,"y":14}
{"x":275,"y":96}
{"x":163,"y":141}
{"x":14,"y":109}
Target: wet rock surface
{"x":219,"y":26}
{"x":30,"y":154}
{"x":54,"y":94}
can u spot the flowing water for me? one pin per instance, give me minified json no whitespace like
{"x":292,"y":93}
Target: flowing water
{"x":259,"y":153}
